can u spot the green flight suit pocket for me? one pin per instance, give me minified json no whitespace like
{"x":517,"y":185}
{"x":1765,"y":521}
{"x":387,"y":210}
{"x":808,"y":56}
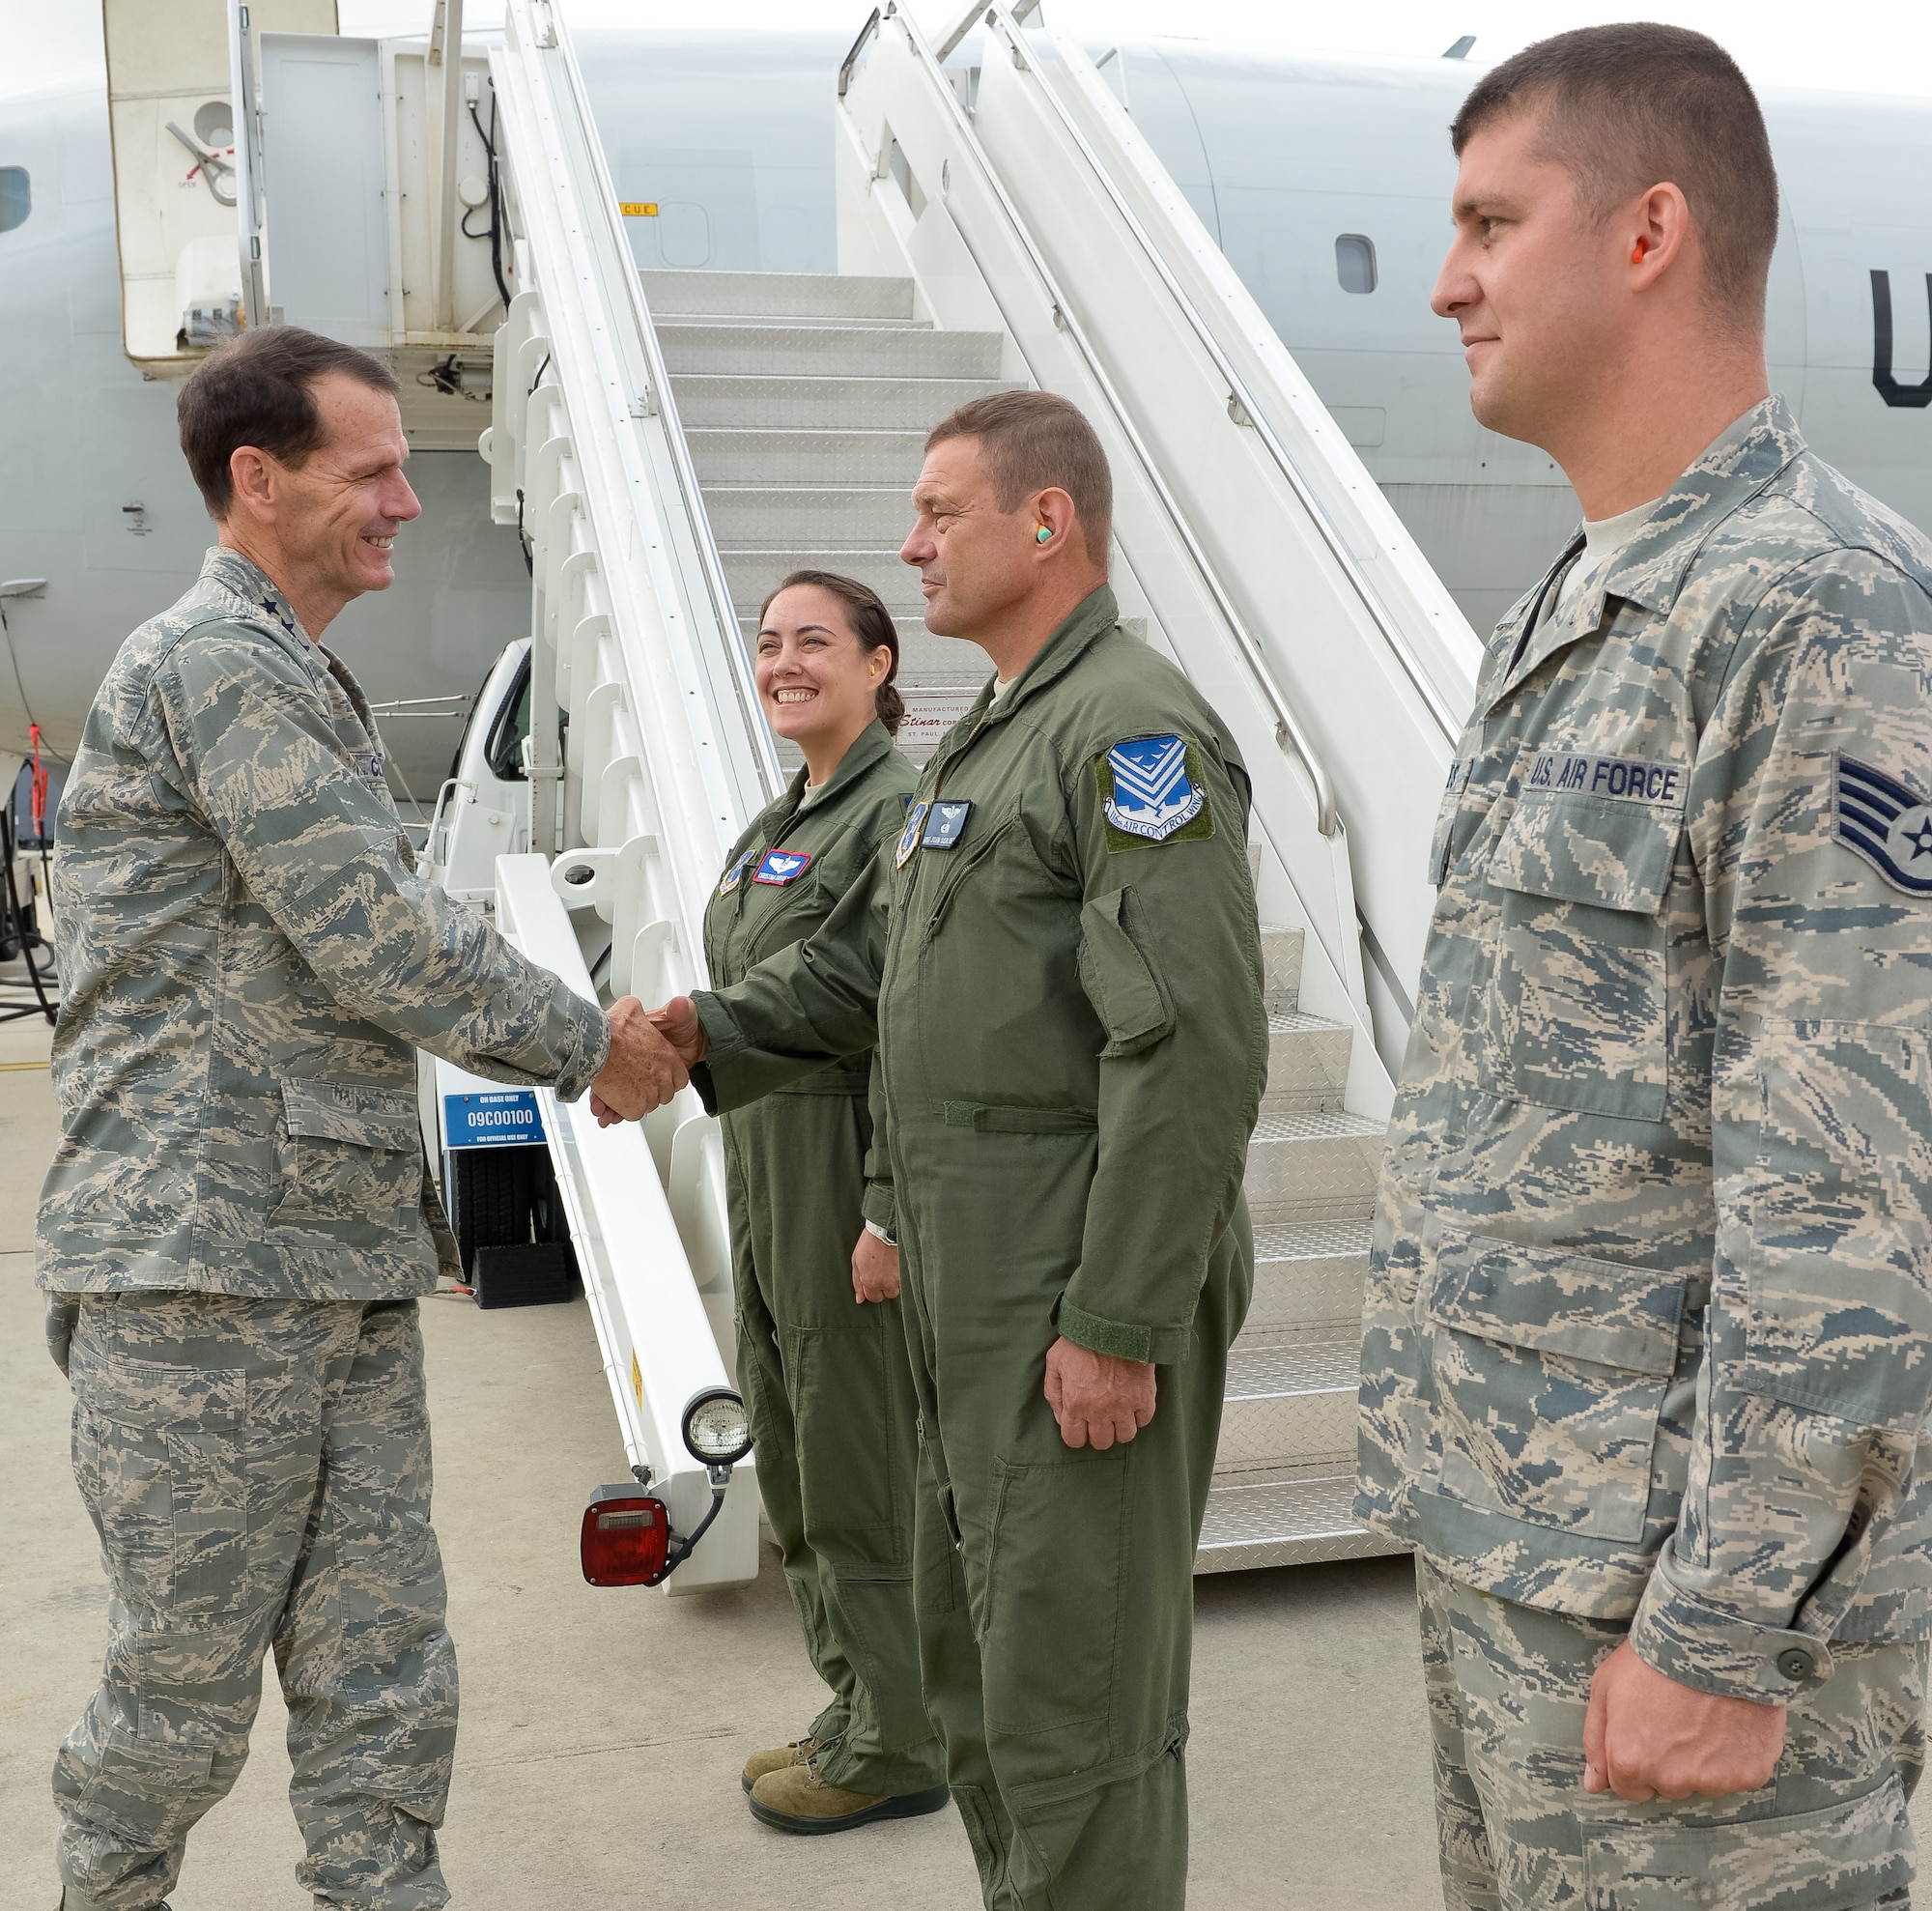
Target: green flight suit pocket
{"x":1121,"y":975}
{"x":1851,"y":1854}
{"x":1577,"y":1010}
{"x":1550,"y":1371}
{"x":350,"y":1158}
{"x":847,"y":1442}
{"x":1048,"y":1612}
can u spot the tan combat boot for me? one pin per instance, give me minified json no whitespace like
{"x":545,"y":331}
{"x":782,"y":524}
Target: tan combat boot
{"x":797,"y":1753}
{"x":795,"y":1798}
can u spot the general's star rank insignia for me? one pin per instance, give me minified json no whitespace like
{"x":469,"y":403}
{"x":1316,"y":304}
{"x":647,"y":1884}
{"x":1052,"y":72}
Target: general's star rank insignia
{"x":1148,"y":794}
{"x":909,"y":835}
{"x":735,"y":875}
{"x":780,"y":866}
{"x":1886,"y":821}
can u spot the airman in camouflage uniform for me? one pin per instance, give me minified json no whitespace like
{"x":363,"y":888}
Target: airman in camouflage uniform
{"x":235,"y":1228}
{"x":1648,"y":1342}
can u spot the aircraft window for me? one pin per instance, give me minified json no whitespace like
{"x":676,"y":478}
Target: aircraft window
{"x":16,"y":198}
{"x":505,"y":746}
{"x":1355,"y":262}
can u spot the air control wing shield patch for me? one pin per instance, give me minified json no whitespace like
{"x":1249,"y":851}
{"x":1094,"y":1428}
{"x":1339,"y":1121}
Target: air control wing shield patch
{"x":1884,"y":820}
{"x":1151,"y":791}
{"x":735,"y":875}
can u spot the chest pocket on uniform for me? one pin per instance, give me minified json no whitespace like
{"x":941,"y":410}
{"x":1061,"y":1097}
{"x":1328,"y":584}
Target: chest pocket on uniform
{"x":1576,"y":1015}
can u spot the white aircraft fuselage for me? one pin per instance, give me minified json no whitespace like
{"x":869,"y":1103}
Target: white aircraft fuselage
{"x":1326,"y":180}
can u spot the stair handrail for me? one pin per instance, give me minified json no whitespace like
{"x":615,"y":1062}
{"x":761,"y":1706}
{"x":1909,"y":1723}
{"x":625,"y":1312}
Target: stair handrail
{"x":660,"y":399}
{"x":1287,"y":731}
{"x":1000,"y":19}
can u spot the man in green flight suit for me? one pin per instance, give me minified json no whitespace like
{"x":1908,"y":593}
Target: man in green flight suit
{"x":1059,"y":965}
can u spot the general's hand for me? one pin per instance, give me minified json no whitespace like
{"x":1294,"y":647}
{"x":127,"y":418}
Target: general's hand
{"x":1096,"y":1398}
{"x":875,"y":1268}
{"x":677,"y":1021}
{"x":1647,"y":1736}
{"x":642,"y":1071}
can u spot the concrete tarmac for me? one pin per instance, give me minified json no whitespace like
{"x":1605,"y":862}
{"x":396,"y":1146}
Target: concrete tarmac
{"x":602,"y":1731}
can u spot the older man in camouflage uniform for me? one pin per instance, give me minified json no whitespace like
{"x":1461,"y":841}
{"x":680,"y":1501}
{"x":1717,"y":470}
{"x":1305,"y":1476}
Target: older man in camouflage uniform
{"x":1648,"y":1349}
{"x":239,"y":1220}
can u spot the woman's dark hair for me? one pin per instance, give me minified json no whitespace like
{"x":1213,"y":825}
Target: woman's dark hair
{"x":871,"y":623}
{"x":259,"y":389}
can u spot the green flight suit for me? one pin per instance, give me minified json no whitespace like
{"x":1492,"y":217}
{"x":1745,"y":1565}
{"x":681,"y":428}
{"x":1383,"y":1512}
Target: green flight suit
{"x":828,"y":1386}
{"x":1063,"y":981}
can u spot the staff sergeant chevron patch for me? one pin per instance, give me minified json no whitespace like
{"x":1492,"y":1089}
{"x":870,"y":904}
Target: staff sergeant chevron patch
{"x":1150,"y":793}
{"x":1886,"y":821}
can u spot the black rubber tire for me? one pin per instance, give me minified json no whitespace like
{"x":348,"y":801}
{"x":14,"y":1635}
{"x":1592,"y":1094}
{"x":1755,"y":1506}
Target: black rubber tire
{"x":492,"y":1193}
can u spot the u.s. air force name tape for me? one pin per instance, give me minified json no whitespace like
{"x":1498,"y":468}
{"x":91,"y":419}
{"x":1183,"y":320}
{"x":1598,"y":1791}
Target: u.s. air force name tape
{"x":1623,"y":779}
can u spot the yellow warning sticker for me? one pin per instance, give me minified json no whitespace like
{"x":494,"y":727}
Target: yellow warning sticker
{"x":638,"y":208}
{"x":637,"y":1382}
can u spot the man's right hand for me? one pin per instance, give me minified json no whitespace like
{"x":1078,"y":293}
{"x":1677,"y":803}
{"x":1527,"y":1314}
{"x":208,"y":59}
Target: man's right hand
{"x":642,"y":1071}
{"x":677,"y":1022}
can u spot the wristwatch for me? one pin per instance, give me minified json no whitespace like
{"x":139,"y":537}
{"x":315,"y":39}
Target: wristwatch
{"x":878,"y":1233}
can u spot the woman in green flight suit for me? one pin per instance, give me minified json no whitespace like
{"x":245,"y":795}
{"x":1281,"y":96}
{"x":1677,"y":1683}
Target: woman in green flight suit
{"x":821,"y":1356}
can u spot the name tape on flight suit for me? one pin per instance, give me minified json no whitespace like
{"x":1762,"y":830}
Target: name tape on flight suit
{"x":1624,"y":779}
{"x":780,"y":866}
{"x":945,"y":826}
{"x":1885,"y":821}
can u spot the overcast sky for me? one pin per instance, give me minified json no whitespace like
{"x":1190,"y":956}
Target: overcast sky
{"x":1856,"y":46}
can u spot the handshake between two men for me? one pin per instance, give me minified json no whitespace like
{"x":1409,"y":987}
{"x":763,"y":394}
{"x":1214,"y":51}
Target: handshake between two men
{"x":652,"y":1054}
{"x":1096,"y":1398}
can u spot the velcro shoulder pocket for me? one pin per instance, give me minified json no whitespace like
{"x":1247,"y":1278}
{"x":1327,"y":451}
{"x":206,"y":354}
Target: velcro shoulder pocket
{"x":1121,"y":975}
{"x":340,"y":1111}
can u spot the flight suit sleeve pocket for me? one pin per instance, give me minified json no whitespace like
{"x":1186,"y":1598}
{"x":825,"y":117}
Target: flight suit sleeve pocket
{"x":1121,"y":974}
{"x":1855,"y":1852}
{"x":1576,"y":1016}
{"x":1839,"y":1236}
{"x":1551,"y":1370}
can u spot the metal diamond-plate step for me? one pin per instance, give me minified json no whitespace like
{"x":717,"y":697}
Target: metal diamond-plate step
{"x":1281,"y":967}
{"x":1312,"y":1167}
{"x":797,"y":402}
{"x":1291,"y":1399}
{"x":778,"y":295}
{"x":1286,"y":1520}
{"x":1309,"y":1273}
{"x":825,"y":351}
{"x":1307,"y":1063}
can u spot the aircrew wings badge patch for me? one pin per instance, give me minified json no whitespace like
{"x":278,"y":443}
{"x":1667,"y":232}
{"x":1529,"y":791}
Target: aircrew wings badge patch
{"x":1886,"y":821}
{"x":1150,"y":793}
{"x":779,"y":866}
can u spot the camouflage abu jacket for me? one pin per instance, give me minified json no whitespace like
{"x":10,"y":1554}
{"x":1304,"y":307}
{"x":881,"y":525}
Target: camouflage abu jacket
{"x":1649,"y":1328}
{"x":247,"y":957}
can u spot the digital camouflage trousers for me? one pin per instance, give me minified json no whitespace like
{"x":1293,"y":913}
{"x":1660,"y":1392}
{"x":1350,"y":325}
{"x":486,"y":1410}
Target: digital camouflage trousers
{"x":1508,"y":1688}
{"x":259,"y":1474}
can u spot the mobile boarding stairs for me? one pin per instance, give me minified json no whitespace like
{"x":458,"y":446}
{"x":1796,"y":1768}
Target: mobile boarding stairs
{"x":670,"y":444}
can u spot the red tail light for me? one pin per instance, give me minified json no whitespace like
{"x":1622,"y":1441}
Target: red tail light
{"x":626,"y":1537}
